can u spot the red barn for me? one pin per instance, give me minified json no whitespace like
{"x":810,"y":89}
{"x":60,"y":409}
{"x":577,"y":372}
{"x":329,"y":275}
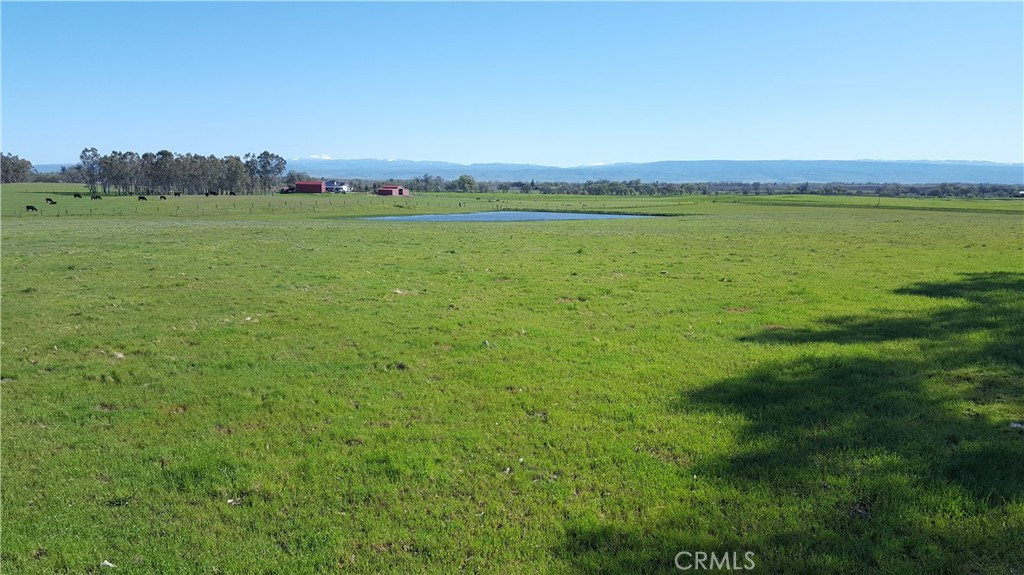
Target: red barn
{"x":392,"y":191}
{"x":310,"y":188}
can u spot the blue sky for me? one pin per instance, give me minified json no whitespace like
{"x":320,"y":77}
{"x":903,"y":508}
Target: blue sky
{"x":561,"y":84}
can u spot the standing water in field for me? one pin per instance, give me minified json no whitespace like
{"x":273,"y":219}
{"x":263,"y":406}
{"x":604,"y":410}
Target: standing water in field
{"x":509,"y":216}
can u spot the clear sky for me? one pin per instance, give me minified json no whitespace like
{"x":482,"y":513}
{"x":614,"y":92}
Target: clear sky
{"x":561,"y":84}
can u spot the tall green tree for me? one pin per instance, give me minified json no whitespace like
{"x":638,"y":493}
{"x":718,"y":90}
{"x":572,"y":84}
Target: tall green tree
{"x":147,"y":171}
{"x":132,"y":172}
{"x":265,"y":170}
{"x":14,"y":169}
{"x":214,"y":170}
{"x":236,"y":176}
{"x":271,"y":167}
{"x":165,"y":171}
{"x":90,"y":161}
{"x":252,"y":169}
{"x":465,"y":183}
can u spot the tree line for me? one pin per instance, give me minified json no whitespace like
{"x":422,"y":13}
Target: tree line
{"x":163,"y":172}
{"x":466,"y":183}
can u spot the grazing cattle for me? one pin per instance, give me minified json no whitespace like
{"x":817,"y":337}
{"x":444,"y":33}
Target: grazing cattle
{"x":233,"y":193}
{"x":51,"y":202}
{"x":95,"y":197}
{"x":163,"y":197}
{"x":143,"y":199}
{"x":176,"y":194}
{"x":79,"y":196}
{"x":31,"y":209}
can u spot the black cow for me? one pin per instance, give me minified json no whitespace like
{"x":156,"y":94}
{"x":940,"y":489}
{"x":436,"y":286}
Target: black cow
{"x":95,"y":197}
{"x":50,"y":201}
{"x":79,"y":196}
{"x":233,"y":194}
{"x":163,"y":197}
{"x":143,"y":199}
{"x":31,"y":209}
{"x":176,"y":194}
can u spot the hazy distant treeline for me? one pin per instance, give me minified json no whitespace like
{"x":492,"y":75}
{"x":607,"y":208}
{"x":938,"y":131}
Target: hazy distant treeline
{"x":165,"y":172}
{"x":428,"y":183}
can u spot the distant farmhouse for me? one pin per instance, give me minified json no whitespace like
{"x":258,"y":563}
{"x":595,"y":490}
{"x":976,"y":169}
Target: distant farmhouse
{"x":336,"y":187}
{"x":392,"y":191}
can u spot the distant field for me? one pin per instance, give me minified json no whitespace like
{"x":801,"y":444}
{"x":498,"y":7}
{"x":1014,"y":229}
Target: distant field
{"x":15,"y":197}
{"x":274,"y":385}
{"x":1010,"y":205}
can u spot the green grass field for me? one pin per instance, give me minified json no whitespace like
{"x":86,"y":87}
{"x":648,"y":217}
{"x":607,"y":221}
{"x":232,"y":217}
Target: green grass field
{"x":1006,"y":205}
{"x":190,"y":386}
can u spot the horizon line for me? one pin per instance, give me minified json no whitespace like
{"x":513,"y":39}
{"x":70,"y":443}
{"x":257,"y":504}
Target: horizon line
{"x":328,"y":158}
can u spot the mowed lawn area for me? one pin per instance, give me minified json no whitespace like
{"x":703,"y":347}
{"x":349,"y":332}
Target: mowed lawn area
{"x":271,"y":387}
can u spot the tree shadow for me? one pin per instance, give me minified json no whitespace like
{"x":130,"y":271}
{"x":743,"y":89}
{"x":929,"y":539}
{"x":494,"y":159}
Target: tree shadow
{"x":877,"y":460}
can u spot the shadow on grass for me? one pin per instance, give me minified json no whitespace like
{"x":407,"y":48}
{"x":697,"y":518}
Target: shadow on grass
{"x":863,"y":461}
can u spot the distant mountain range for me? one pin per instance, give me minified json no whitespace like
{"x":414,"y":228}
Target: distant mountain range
{"x":765,"y":171}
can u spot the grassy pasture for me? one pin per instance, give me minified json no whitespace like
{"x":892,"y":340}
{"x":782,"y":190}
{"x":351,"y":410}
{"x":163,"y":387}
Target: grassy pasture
{"x":290,"y":390}
{"x":1007,"y":205}
{"x":17,"y":196}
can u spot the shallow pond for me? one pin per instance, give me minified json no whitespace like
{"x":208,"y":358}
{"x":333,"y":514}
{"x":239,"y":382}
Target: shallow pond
{"x":509,"y":216}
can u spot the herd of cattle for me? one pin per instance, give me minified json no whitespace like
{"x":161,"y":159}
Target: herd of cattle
{"x":52,"y":202}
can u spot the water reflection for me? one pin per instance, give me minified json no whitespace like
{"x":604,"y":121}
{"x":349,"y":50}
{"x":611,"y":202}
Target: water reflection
{"x":505,"y":216}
